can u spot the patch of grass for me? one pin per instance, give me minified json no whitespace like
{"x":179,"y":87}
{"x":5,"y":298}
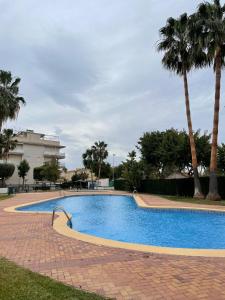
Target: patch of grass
{"x":195,"y":201}
{"x":3,"y":197}
{"x":17,"y":283}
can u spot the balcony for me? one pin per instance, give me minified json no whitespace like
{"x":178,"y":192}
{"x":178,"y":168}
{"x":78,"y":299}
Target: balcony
{"x":58,"y":155}
{"x":16,"y":152}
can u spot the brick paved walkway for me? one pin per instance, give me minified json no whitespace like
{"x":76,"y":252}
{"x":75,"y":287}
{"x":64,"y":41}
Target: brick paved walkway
{"x":30,"y":241}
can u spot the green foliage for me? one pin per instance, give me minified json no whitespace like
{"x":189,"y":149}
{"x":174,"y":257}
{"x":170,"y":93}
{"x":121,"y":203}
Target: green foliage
{"x":221,"y":158}
{"x":132,"y":172}
{"x":23,"y":169}
{"x":9,"y":100}
{"x":173,"y":187}
{"x":7,"y":143}
{"x":208,"y":30}
{"x":118,"y":171}
{"x":100,"y":153}
{"x":89,"y":161}
{"x":121,"y":185}
{"x":106,"y":170}
{"x":165,"y":152}
{"x":93,"y":159}
{"x":180,"y":52}
{"x":38,"y":173}
{"x":79,"y":176}
{"x":6,"y":171}
{"x":49,"y":172}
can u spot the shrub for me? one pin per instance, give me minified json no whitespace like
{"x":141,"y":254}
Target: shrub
{"x":6,"y":171}
{"x":173,"y":187}
{"x":120,"y":185}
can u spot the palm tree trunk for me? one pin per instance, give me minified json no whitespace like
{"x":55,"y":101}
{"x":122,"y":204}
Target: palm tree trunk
{"x":213,"y":185}
{"x":197,"y":184}
{"x":99,"y":169}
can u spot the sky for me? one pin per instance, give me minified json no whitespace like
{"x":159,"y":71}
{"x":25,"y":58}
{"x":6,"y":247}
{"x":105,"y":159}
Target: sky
{"x":90,"y":71}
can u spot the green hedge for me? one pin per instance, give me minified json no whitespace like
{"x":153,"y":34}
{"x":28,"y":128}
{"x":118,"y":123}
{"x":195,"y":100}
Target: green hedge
{"x":120,"y":185}
{"x":174,"y":187}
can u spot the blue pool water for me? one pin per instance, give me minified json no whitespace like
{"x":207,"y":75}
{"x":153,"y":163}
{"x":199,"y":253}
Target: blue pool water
{"x":119,"y":218}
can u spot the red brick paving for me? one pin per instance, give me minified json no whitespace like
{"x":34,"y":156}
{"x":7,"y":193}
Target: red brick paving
{"x":30,"y":241}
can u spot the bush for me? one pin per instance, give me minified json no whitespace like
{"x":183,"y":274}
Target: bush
{"x":6,"y":171}
{"x":120,"y":185}
{"x":173,"y":187}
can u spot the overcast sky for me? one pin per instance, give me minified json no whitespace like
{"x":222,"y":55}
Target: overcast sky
{"x":90,"y":71}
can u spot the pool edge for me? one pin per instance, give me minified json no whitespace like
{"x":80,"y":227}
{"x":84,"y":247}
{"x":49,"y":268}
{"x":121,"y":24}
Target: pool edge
{"x":60,"y":226}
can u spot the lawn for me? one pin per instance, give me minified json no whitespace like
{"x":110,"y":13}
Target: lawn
{"x":17,"y":283}
{"x":195,"y":201}
{"x":3,"y":197}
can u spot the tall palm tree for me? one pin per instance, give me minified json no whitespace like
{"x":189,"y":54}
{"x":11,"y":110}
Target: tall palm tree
{"x":100,"y":153}
{"x":88,"y":161}
{"x":178,"y":57}
{"x":8,"y":142}
{"x":210,"y":34}
{"x":10,"y":102}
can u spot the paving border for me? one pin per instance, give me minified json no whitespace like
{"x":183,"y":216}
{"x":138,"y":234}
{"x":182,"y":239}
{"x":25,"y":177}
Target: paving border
{"x":30,"y":241}
{"x":60,"y":225}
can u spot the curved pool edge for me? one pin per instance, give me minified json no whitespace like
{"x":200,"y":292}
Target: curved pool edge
{"x":61,"y":227}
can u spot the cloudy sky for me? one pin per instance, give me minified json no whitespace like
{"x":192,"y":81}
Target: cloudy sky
{"x":90,"y":71}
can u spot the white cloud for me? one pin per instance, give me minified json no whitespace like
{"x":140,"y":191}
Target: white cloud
{"x":90,"y":71}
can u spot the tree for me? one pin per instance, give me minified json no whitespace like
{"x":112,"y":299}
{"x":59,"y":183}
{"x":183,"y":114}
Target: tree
{"x":210,"y":35}
{"x":51,"y":171}
{"x":163,"y":153}
{"x":221,"y":158}
{"x":88,"y":161}
{"x":106,"y":170}
{"x":178,"y":57}
{"x":132,"y":172}
{"x":10,"y":102}
{"x":100,"y":153}
{"x":38,"y":173}
{"x":23,"y":169}
{"x":7,"y":143}
{"x":79,"y":176}
{"x":6,"y":171}
{"x":118,"y":171}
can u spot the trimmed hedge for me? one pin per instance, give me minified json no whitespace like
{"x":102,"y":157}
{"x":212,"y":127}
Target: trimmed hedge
{"x":173,"y":187}
{"x":120,"y":185}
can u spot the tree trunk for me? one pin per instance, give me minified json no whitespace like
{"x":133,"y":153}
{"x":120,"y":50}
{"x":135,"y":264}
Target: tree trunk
{"x":197,"y":185}
{"x":99,"y":170}
{"x":213,"y":185}
{"x":23,"y":182}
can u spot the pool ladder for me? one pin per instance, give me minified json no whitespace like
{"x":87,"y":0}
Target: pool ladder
{"x":66,"y":214}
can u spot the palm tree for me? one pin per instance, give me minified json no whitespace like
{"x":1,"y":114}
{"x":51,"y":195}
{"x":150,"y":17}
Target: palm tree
{"x":8,"y":142}
{"x":88,"y":161}
{"x":9,"y":100}
{"x":210,"y":34}
{"x":179,"y":58}
{"x":100,"y":153}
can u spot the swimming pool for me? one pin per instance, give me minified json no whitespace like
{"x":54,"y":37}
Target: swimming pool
{"x":119,"y":218}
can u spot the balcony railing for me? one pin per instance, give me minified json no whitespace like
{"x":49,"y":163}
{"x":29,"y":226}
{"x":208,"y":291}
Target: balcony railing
{"x":16,"y":152}
{"x":54,"y":154}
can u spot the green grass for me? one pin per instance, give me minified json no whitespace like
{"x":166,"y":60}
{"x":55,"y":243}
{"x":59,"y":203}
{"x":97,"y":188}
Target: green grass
{"x":17,"y":283}
{"x":3,"y":197}
{"x":195,"y":201}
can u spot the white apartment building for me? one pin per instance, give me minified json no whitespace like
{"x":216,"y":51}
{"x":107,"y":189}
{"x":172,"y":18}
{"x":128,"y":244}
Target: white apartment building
{"x":37,"y":149}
